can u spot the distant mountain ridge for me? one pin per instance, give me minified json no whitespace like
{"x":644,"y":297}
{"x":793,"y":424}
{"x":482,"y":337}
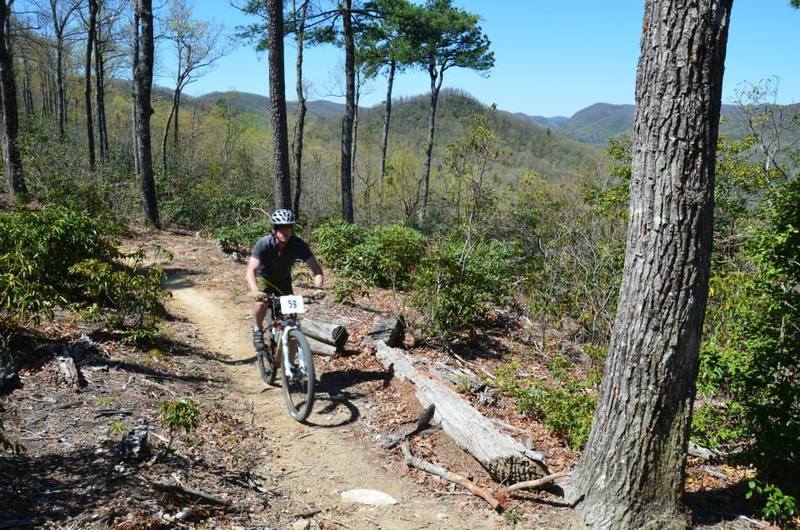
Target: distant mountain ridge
{"x":597,"y":123}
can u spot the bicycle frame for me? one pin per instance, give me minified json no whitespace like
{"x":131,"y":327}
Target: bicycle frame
{"x":283,"y":326}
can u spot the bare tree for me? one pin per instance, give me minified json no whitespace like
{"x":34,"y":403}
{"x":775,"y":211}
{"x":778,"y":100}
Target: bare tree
{"x":197,"y":50}
{"x":299,"y":23}
{"x":15,"y":181}
{"x":631,"y":473}
{"x":144,"y":51}
{"x":91,"y":26}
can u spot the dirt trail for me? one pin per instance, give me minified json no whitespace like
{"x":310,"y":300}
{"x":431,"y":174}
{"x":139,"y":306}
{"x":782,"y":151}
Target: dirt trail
{"x":314,"y":463}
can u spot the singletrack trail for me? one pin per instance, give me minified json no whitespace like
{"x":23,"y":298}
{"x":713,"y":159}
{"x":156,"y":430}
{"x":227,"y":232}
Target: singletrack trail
{"x":314,"y":463}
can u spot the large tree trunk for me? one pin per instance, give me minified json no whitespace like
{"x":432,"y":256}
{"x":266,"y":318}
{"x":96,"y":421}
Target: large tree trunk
{"x":15,"y":181}
{"x":277,"y":96}
{"x":386,"y":120}
{"x":299,"y":127}
{"x":426,"y":172}
{"x":631,"y":474}
{"x":143,"y":82}
{"x":349,"y":114}
{"x":93,"y":7}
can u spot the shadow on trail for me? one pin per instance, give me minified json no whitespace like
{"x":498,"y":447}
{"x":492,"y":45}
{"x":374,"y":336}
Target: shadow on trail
{"x":179,"y":278}
{"x":720,"y":505}
{"x":335,"y":401}
{"x":56,"y":487}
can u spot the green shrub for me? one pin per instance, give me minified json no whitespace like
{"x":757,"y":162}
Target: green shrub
{"x":387,"y":256}
{"x":567,"y":410}
{"x":457,"y":282}
{"x":241,"y":238}
{"x":778,"y":507}
{"x":334,"y":239}
{"x":180,"y":413}
{"x":61,"y":258}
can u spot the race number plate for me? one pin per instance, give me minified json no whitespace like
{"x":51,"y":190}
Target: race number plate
{"x":292,"y":304}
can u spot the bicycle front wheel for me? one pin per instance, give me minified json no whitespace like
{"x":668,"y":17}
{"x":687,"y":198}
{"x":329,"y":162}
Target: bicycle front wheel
{"x":298,"y":388}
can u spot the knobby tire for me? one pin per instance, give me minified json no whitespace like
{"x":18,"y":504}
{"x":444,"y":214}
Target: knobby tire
{"x":298,"y":393}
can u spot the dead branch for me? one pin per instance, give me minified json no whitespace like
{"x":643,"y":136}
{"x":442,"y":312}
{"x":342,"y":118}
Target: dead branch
{"x":487,"y":495}
{"x":532,"y":484}
{"x":182,"y":490}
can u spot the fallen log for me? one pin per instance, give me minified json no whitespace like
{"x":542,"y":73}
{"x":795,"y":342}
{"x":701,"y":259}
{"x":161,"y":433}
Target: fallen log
{"x":325,"y":332}
{"x":388,"y":329}
{"x":506,"y":460}
{"x":320,"y":348}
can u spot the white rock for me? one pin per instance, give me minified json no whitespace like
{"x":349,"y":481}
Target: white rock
{"x":302,"y":524}
{"x":371,"y":497}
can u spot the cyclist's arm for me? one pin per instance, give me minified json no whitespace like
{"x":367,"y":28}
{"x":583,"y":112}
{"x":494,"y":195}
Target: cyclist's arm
{"x":316,"y":270}
{"x":252,"y":267}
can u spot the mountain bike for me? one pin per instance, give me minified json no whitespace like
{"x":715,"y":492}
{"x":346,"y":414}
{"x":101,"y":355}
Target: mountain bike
{"x":287,"y":353}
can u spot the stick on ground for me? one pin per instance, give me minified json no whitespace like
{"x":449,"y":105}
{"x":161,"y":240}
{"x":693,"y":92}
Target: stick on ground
{"x":483,"y":493}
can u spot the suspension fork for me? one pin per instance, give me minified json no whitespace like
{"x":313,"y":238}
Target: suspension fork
{"x":287,"y":366}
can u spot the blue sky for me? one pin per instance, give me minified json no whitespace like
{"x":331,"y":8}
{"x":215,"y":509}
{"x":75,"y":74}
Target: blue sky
{"x":551,"y":57}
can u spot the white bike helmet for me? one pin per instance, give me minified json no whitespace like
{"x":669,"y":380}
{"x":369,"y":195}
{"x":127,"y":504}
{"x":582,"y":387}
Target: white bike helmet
{"x":282,"y":217}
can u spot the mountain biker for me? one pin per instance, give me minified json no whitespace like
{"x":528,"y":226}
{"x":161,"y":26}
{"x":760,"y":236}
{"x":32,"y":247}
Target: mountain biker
{"x":269,"y":271}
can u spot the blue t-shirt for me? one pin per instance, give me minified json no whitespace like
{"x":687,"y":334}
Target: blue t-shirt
{"x":276,"y":264}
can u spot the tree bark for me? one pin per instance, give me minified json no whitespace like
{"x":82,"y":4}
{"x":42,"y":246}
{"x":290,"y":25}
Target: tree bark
{"x":299,"y":128}
{"x":15,"y":181}
{"x":386,"y":120}
{"x":143,"y":82}
{"x":277,"y":95}
{"x":99,"y":78}
{"x":27,"y":93}
{"x":631,"y":474}
{"x":61,"y":95}
{"x":346,"y":168}
{"x":90,"y":37}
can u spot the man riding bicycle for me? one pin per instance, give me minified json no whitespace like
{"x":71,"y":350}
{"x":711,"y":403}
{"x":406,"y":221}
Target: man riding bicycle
{"x":269,"y":271}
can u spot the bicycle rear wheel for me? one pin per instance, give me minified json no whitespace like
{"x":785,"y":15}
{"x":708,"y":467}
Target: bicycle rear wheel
{"x":298,"y":388}
{"x":266,"y":360}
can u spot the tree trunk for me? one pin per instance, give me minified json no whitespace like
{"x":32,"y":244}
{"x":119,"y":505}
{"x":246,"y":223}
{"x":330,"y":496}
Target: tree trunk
{"x":143,"y":82}
{"x":176,"y":117}
{"x":166,"y":133}
{"x":349,"y":114}
{"x":426,"y":172}
{"x":99,"y":75}
{"x":386,"y":120}
{"x":299,"y":127}
{"x":61,"y":95}
{"x":631,"y":474}
{"x":15,"y":181}
{"x":90,"y":36}
{"x":27,"y":93}
{"x":277,"y":95}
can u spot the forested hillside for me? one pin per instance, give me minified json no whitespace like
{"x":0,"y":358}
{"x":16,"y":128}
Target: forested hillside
{"x":601,"y":304}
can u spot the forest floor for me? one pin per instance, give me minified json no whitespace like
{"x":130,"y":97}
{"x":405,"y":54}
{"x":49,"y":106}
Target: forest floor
{"x":257,"y":466}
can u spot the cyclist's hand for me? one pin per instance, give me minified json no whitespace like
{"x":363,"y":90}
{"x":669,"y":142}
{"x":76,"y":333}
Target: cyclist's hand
{"x":257,"y":296}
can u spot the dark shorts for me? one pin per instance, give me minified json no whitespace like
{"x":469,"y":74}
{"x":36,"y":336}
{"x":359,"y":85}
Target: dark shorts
{"x":278,"y":289}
